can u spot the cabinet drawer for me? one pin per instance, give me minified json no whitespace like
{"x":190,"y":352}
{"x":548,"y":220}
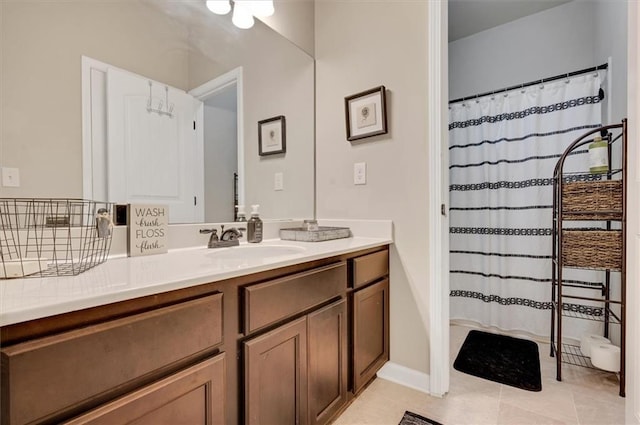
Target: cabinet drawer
{"x":269,"y":302}
{"x":193,"y":396}
{"x":369,"y":268}
{"x":70,"y":369}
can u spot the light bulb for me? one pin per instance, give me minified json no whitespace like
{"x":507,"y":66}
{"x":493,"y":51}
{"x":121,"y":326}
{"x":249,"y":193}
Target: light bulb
{"x":219,"y":7}
{"x":242,"y":17}
{"x":261,"y":8}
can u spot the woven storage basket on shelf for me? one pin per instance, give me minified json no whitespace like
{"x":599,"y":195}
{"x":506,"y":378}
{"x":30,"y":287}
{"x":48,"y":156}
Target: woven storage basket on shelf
{"x":592,"y":249}
{"x":598,"y":200}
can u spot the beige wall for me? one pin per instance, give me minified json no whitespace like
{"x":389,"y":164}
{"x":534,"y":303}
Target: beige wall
{"x":41,"y":45}
{"x":277,"y":80}
{"x":361,"y":45}
{"x":295,"y":20}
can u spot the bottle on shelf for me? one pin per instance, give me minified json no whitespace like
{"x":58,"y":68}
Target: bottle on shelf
{"x":598,"y":156}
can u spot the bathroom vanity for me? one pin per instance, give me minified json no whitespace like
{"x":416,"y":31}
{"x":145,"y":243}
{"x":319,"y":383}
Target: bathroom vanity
{"x":199,"y":337}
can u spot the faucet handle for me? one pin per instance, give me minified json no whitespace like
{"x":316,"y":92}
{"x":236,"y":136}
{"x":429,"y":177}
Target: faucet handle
{"x":214,"y":233}
{"x":204,"y":231}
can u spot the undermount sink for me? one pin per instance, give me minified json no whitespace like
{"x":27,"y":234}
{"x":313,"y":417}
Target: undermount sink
{"x":256,"y":251}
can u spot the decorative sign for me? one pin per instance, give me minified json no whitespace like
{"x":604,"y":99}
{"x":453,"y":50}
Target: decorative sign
{"x":148,"y":229}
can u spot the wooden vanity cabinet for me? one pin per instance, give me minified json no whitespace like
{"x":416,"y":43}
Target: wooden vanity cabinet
{"x":48,"y":379}
{"x":285,"y":346}
{"x":297,"y":372}
{"x":370,"y":315}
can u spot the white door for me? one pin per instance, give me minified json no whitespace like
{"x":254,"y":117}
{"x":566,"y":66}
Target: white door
{"x":153,"y":158}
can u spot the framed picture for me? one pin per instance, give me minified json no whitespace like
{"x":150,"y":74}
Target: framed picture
{"x":272,"y":136}
{"x":366,"y":114}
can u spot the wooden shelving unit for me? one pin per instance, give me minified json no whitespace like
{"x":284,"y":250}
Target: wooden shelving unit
{"x":599,"y":200}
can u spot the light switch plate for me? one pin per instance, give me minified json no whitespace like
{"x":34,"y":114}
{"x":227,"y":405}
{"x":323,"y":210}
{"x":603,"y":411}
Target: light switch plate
{"x":360,"y":173}
{"x":10,"y":177}
{"x":278,"y":181}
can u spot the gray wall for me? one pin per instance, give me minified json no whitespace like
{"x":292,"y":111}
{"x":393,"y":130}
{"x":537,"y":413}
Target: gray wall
{"x":220,"y":157}
{"x":573,"y":36}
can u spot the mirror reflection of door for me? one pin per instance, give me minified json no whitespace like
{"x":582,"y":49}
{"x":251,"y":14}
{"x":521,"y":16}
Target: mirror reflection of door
{"x":221,"y":155}
{"x":142,"y":146}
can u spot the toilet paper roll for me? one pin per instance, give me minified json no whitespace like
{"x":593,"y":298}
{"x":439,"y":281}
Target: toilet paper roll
{"x":588,"y":340}
{"x":606,"y":357}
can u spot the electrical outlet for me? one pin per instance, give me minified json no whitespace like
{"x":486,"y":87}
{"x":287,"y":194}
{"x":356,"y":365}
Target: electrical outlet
{"x":10,"y":177}
{"x":278,"y":181}
{"x":360,"y":173}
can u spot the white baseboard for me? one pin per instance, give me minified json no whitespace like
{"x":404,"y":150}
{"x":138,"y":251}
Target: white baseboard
{"x":404,"y":376}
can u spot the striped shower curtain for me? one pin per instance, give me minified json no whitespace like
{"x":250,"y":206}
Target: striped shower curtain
{"x":503,"y":150}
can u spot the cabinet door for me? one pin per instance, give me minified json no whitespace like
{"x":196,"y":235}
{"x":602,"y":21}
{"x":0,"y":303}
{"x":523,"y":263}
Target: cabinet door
{"x":327,"y":329}
{"x":276,"y":376}
{"x":191,"y":397}
{"x":370,"y":331}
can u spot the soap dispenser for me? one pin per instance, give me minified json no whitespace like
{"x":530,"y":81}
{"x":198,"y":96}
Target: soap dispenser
{"x":242,"y":216}
{"x":254,"y":226}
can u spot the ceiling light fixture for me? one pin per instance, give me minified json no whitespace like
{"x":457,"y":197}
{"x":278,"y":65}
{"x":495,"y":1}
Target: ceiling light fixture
{"x":243,"y":10}
{"x":242,"y":17}
{"x":219,"y":7}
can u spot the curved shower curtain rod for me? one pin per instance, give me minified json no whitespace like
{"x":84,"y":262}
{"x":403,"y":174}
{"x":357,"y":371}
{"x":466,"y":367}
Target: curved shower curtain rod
{"x":533,"y":83}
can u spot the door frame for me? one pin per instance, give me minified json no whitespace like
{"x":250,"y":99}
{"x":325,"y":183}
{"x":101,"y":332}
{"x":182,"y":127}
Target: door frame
{"x":437,"y":57}
{"x":211,"y":88}
{"x":92,"y":145}
{"x":438,"y":160}
{"x":633,"y":218}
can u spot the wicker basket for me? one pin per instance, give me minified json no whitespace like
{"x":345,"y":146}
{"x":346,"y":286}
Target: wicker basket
{"x":598,"y":200}
{"x":592,"y":249}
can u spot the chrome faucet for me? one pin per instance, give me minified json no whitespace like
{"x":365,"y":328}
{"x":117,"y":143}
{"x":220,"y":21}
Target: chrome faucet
{"x":233,"y":234}
{"x":229,"y":237}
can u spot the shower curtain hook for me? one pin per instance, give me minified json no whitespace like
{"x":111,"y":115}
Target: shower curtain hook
{"x":567,"y":80}
{"x":477,"y":101}
{"x":505,"y":93}
{"x":541,"y":84}
{"x":522,"y":90}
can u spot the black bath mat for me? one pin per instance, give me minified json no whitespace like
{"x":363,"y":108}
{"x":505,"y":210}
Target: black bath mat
{"x":500,"y":358}
{"x":411,"y":418}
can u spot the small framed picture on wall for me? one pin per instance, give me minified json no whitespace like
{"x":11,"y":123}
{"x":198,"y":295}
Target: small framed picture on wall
{"x":366,"y":113}
{"x":272,"y":136}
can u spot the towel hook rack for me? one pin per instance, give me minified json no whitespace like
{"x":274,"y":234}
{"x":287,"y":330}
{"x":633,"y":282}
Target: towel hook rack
{"x":160,"y":110}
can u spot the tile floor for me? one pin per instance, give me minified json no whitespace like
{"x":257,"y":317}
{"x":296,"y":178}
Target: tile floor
{"x":585,"y":396}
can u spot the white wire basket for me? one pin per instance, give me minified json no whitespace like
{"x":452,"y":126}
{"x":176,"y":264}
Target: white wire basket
{"x":53,"y":237}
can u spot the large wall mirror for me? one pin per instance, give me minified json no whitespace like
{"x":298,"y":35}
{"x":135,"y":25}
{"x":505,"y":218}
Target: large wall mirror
{"x":169,"y":50}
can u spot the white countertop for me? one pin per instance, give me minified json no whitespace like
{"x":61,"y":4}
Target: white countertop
{"x":126,"y":278}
